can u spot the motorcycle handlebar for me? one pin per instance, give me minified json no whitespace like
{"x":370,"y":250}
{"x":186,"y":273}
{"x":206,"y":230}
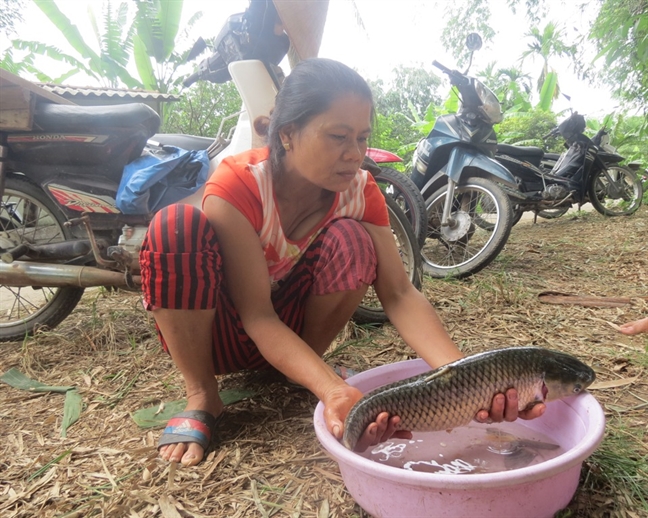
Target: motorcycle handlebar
{"x":456,"y":77}
{"x":551,"y":133}
{"x":441,"y":67}
{"x":191,"y":79}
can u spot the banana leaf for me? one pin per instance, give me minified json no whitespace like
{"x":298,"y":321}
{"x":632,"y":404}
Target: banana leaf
{"x":157,"y":25}
{"x":18,"y":380}
{"x":548,"y":91}
{"x":144,"y":65}
{"x":70,"y":31}
{"x":71,"y":410}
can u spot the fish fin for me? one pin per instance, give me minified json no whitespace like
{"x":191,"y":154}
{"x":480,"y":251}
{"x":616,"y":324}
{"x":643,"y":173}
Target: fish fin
{"x":441,"y":371}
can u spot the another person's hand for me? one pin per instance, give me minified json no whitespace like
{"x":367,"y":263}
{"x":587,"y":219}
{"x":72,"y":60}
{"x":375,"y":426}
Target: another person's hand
{"x":636,"y":327}
{"x":505,"y":408}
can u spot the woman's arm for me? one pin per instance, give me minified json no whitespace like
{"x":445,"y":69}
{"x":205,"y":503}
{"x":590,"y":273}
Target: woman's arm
{"x":407,"y":308}
{"x":420,"y":327}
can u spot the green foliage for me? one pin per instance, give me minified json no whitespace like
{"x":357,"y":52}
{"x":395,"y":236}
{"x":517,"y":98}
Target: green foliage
{"x":405,"y":87}
{"x":511,"y":86}
{"x":465,"y":16}
{"x":150,"y":36}
{"x":401,"y":102}
{"x":626,"y":135}
{"x":10,"y":16}
{"x":548,"y":91}
{"x":621,"y":34}
{"x":528,"y":128}
{"x":202,"y":108}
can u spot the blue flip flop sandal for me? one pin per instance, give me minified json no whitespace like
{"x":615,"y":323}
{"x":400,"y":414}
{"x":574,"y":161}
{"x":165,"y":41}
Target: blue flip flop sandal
{"x":190,"y":426}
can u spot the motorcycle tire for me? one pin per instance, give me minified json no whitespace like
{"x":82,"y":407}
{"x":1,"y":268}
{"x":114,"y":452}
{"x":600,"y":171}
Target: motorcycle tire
{"x":370,"y":310}
{"x":516,"y":214}
{"x":477,"y":236}
{"x":27,"y":215}
{"x":554,"y":213}
{"x":402,"y":189}
{"x":615,"y":191}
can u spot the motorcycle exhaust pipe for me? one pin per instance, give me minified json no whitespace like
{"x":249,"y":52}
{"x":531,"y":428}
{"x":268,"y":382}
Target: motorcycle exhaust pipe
{"x":24,"y":273}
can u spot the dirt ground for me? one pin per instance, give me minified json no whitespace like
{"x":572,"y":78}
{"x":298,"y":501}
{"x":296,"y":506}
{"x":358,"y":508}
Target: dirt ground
{"x":268,"y":461}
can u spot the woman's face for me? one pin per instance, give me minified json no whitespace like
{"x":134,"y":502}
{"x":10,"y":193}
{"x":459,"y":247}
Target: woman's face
{"x":329,"y":150}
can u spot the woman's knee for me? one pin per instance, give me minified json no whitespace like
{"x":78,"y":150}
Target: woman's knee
{"x":180,"y":229}
{"x":347,"y":258}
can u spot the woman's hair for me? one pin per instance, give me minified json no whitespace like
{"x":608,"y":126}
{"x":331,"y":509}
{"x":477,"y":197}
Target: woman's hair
{"x":310,"y":89}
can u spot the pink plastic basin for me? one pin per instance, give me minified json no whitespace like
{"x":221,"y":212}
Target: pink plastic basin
{"x":537,"y":491}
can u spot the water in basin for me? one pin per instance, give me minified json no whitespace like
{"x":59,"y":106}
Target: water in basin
{"x":475,"y":448}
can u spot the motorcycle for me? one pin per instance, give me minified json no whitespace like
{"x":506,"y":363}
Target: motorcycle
{"x":588,"y":170}
{"x":60,"y":228}
{"x":468,"y":213}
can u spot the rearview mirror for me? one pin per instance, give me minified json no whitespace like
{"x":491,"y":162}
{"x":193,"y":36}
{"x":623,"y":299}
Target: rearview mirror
{"x":473,"y":42}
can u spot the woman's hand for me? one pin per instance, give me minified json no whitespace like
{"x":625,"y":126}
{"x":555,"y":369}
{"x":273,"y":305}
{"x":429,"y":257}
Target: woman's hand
{"x":338,"y":403}
{"x":505,"y":408}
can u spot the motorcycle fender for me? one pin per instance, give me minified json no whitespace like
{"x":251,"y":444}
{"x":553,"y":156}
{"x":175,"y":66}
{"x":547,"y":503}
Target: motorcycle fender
{"x":382,"y":156}
{"x":461,"y":157}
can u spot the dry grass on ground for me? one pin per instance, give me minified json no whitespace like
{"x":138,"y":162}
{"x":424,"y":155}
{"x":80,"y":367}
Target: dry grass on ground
{"x":268,"y":461}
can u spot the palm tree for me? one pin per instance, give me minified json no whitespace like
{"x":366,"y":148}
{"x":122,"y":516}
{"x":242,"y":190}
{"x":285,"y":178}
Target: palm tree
{"x":516,"y":89}
{"x":511,"y":86}
{"x":547,"y":44}
{"x":150,"y":38}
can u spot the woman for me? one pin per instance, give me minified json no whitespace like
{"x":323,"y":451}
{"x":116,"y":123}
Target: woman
{"x":270,"y":271}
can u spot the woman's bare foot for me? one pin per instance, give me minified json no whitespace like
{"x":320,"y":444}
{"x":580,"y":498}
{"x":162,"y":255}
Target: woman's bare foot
{"x":190,"y":454}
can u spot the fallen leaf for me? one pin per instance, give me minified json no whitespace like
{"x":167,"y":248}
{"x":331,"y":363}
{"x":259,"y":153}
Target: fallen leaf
{"x":612,"y":383}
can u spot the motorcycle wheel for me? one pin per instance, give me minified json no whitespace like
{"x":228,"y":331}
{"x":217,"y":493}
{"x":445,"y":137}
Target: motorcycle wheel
{"x":482,"y":217}
{"x":615,"y":191}
{"x":28,"y":216}
{"x":370,"y":310}
{"x":516,"y":214}
{"x":408,"y":196}
{"x":554,"y":213}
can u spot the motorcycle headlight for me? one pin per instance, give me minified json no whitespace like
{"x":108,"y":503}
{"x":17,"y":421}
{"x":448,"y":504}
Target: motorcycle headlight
{"x":490,"y":108}
{"x":421,"y":157}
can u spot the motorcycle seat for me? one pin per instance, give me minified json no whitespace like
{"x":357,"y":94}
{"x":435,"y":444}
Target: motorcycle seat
{"x":188,"y":142}
{"x":520,"y":151}
{"x":67,"y":118}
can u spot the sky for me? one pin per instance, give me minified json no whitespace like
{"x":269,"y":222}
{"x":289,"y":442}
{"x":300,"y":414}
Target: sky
{"x":397,"y":32}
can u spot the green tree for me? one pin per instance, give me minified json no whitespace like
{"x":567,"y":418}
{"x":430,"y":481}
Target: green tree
{"x":511,"y":85}
{"x":400,"y":100}
{"x":10,"y":15}
{"x":107,"y":64}
{"x":546,"y":44}
{"x":528,"y":129}
{"x":150,"y":36}
{"x":202,"y":108}
{"x":620,"y":32}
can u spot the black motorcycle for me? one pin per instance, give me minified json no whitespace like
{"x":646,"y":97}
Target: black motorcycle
{"x":587,"y":172}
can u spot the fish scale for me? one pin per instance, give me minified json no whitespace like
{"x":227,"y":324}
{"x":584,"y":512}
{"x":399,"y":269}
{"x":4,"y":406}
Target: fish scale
{"x":451,"y":396}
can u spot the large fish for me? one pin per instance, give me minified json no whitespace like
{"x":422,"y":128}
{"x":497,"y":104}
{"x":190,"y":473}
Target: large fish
{"x":451,"y":396}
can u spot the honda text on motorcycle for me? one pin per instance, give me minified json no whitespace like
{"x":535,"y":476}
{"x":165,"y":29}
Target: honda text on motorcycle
{"x":61,"y":228}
